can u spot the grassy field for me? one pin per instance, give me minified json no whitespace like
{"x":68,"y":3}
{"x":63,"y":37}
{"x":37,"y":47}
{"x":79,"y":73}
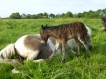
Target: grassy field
{"x":75,"y":67}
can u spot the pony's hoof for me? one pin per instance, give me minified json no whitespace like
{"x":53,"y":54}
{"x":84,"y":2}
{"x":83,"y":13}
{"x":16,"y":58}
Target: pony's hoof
{"x":88,"y":55}
{"x":39,"y":60}
{"x":73,"y":52}
{"x":63,"y":61}
{"x":15,"y":71}
{"x":78,"y":55}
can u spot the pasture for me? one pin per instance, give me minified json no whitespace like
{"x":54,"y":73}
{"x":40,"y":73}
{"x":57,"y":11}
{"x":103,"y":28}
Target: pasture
{"x":82,"y":67}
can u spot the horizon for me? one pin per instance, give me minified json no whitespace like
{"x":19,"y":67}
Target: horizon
{"x":54,"y":6}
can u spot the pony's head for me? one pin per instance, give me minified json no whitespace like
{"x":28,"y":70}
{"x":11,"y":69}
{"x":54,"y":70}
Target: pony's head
{"x":44,"y":35}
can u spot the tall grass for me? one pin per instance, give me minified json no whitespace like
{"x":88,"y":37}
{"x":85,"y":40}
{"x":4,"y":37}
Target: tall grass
{"x":75,"y":67}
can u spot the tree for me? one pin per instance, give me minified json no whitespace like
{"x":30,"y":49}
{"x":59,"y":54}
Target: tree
{"x":45,"y":15}
{"x":68,"y":14}
{"x":51,"y":15}
{"x":62,"y":15}
{"x":57,"y":16}
{"x":23,"y":16}
{"x":28,"y":16}
{"x":40,"y":15}
{"x":15,"y":16}
{"x":79,"y":15}
{"x":34,"y":16}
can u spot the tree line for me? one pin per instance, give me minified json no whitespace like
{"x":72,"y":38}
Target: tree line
{"x":90,"y":14}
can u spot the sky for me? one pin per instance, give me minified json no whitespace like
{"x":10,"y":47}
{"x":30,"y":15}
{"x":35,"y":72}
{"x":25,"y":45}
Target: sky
{"x":7,"y":7}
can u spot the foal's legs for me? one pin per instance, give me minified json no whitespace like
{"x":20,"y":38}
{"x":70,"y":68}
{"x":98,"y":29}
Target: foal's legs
{"x":55,"y":49}
{"x":69,"y":49}
{"x":82,"y":40}
{"x":64,"y":43}
{"x":63,"y":51}
{"x":79,"y":46}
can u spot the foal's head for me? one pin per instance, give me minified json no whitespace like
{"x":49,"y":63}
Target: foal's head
{"x":44,"y":34}
{"x":89,"y":44}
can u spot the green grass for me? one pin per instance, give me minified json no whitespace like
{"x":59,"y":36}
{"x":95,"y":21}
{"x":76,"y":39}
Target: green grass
{"x":81,"y":67}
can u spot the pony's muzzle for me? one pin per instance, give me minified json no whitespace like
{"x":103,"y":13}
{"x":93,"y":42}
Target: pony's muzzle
{"x":43,"y":43}
{"x":90,"y":47}
{"x":104,"y":29}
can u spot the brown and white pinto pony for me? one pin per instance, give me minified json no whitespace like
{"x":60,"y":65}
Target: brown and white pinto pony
{"x":29,"y":47}
{"x":62,"y":33}
{"x":103,"y":24}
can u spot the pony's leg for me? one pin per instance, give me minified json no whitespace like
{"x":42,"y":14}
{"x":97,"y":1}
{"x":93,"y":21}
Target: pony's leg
{"x":63,"y":51}
{"x":85,"y":45}
{"x":79,"y":46}
{"x":73,"y":51}
{"x":32,"y":55}
{"x":54,"y":50}
{"x":39,"y":60}
{"x":70,"y":49}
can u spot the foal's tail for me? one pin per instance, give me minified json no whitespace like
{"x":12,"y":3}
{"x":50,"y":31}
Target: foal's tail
{"x":7,"y":52}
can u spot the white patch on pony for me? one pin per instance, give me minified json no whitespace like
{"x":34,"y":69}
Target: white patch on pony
{"x":32,"y":54}
{"x":19,"y":45}
{"x":71,"y":44}
{"x":23,"y":51}
{"x":89,"y":31}
{"x":57,"y":52}
{"x":51,"y":45}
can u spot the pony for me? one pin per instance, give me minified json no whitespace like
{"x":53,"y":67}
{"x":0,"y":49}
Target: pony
{"x":29,"y":47}
{"x":103,"y":24}
{"x":62,"y":33}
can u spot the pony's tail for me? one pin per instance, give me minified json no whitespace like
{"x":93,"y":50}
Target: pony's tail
{"x":8,"y":51}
